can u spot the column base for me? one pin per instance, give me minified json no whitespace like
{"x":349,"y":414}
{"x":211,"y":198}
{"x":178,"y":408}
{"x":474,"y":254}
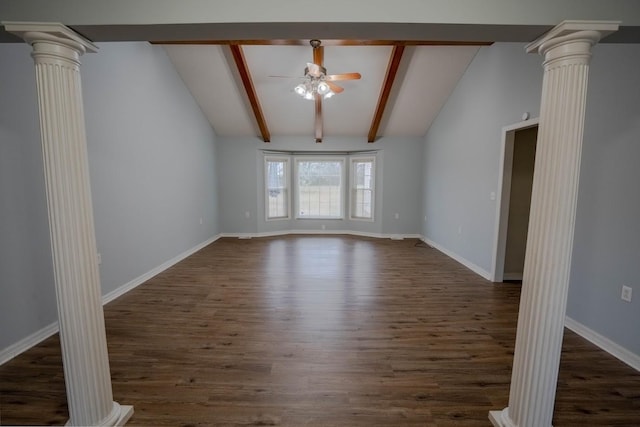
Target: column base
{"x":118,"y":417}
{"x":126,"y":411}
{"x":501,"y":418}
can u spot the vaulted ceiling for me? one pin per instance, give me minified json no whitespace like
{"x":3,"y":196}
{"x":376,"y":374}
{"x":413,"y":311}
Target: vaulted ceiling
{"x":401,"y":90}
{"x":252,"y":40}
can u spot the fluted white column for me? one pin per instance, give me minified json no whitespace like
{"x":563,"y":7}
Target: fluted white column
{"x":567,"y":51}
{"x":56,"y":53}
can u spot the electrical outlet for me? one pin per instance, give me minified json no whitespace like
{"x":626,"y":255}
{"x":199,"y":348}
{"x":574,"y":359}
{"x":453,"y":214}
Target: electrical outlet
{"x":626,"y":293}
{"x":396,"y":216}
{"x":99,"y":258}
{"x":247,"y":214}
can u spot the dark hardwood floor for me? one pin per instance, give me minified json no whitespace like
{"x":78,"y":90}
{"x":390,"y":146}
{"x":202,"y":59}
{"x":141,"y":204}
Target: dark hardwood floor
{"x":320,"y":331}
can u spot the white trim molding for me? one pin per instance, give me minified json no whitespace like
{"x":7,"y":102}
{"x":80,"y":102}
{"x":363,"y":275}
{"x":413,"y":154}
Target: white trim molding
{"x":604,"y":343}
{"x":26,"y":343}
{"x":462,"y":260}
{"x":107,"y":298}
{"x":504,"y":195}
{"x":322,"y":232}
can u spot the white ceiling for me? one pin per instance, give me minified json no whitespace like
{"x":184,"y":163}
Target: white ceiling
{"x":426,"y":77}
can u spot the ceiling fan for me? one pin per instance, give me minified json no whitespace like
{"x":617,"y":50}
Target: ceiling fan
{"x":316,"y":80}
{"x":318,"y":85}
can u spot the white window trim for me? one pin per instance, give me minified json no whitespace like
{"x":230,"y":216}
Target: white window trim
{"x":343,"y":199}
{"x":288,"y":180}
{"x":352,"y":171}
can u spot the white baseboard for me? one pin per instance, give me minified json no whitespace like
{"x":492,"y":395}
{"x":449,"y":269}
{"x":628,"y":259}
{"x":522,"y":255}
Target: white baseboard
{"x":604,"y":343}
{"x":471,"y":266}
{"x":26,"y":343}
{"x":322,"y":232}
{"x":107,"y":298}
{"x":44,"y":333}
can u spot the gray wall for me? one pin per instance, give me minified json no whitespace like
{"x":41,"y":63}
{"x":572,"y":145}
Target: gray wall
{"x":462,"y":149}
{"x":461,"y":169}
{"x":152,"y":166}
{"x":152,"y":161}
{"x":27,"y":293}
{"x":606,"y":251}
{"x":398,"y":186}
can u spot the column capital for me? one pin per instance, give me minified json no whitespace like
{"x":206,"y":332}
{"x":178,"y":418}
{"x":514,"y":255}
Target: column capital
{"x":593,"y":31}
{"x":33,"y":32}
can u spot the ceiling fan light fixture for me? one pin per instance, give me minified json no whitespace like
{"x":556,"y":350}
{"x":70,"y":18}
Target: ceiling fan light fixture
{"x":323,"y":88}
{"x":300,"y":89}
{"x":313,"y":86}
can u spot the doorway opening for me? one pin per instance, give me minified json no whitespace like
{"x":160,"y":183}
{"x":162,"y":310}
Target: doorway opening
{"x":514,"y":200}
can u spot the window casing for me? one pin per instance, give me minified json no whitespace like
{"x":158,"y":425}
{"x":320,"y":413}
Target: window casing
{"x":277,"y":184}
{"x":319,"y":187}
{"x":362,"y":185}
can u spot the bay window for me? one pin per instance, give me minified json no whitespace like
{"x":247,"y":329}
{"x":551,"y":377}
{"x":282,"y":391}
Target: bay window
{"x":319,"y":186}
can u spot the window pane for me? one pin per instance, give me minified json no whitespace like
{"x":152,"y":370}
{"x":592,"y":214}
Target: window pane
{"x":277,"y":203}
{"x":277,"y":189}
{"x":320,"y":188}
{"x":362,"y":191}
{"x":362,"y":205}
{"x":275,"y":174}
{"x":363,"y":174}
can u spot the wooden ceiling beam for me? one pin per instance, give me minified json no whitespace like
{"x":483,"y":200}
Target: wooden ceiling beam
{"x":291,"y":42}
{"x":318,"y":53}
{"x":245,"y":76}
{"x":392,"y":70}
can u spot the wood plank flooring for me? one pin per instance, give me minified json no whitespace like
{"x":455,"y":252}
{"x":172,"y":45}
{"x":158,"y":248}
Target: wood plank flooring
{"x":319,"y":331}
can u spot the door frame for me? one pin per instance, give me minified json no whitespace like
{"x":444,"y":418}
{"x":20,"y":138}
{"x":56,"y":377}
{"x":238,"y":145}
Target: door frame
{"x":504,"y":195}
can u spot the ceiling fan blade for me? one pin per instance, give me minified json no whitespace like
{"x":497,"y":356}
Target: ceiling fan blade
{"x":344,"y":76}
{"x":335,"y":88}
